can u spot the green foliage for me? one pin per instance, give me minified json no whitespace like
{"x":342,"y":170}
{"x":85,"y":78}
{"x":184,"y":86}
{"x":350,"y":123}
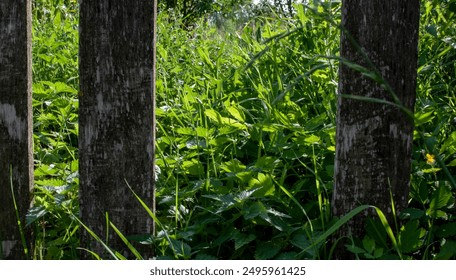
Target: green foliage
{"x":55,"y":106}
{"x":246,"y":139}
{"x":193,"y":11}
{"x":244,"y":132}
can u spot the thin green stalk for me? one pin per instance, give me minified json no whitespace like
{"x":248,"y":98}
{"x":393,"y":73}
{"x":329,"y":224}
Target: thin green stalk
{"x":388,"y":230}
{"x":317,"y":185}
{"x":152,"y":215}
{"x":349,"y":216}
{"x":295,"y":202}
{"x":97,"y":238}
{"x":125,"y":240}
{"x":336,"y":226}
{"x":18,"y":217}
{"x":393,"y":207}
{"x":176,"y":202}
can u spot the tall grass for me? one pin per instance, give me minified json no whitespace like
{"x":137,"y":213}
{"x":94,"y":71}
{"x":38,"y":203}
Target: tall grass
{"x":251,"y":116}
{"x":246,"y":139}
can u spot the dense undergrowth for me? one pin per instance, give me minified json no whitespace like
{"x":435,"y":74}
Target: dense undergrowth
{"x":246,"y":138}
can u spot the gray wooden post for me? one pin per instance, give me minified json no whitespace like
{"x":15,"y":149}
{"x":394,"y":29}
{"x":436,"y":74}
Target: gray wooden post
{"x":374,"y":141}
{"x":16,"y":160}
{"x":116,"y":119}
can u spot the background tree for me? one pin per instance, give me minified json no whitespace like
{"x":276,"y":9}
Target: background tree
{"x":16,"y":162}
{"x":193,"y":10}
{"x":116,"y":118}
{"x":374,"y":140}
{"x":198,"y":8}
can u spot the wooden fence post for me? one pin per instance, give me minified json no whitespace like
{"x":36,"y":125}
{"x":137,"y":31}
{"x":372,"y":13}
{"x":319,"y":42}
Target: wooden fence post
{"x":16,"y":159}
{"x":116,"y":120}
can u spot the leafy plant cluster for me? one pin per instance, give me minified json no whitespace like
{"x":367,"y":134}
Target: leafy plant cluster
{"x":55,"y":118}
{"x":246,"y":138}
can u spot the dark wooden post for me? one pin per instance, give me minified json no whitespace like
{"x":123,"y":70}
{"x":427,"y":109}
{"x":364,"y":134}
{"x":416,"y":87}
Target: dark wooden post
{"x":16,"y":160}
{"x":116,"y":119}
{"x":374,"y":141}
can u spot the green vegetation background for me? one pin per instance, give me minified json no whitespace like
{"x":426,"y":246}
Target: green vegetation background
{"x":246,"y":137}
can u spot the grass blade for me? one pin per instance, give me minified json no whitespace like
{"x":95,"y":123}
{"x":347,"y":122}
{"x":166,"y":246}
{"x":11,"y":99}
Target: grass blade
{"x":18,"y":217}
{"x":152,"y":215}
{"x":98,"y":239}
{"x":125,"y":240}
{"x":337,"y":225}
{"x":388,"y":230}
{"x":295,"y":202}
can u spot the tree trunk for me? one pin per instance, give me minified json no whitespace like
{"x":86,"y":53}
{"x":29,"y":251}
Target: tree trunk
{"x":374,"y":140}
{"x":16,"y":160}
{"x":116,"y":119}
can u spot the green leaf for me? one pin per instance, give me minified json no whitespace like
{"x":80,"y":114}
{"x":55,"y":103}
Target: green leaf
{"x":276,"y":222}
{"x":46,"y":170}
{"x":193,"y":167}
{"x":203,"y":52}
{"x":227,"y":201}
{"x":267,"y":163}
{"x":438,"y":214}
{"x":244,"y":195}
{"x":287,"y":256}
{"x":225,"y":235}
{"x":312,"y":139}
{"x":180,"y":248}
{"x":277,"y":213}
{"x":410,"y":237}
{"x":300,"y":240}
{"x":185,"y":131}
{"x":233,"y":166}
{"x":203,"y":256}
{"x":452,"y":163}
{"x":264,"y":185}
{"x":213,"y":115}
{"x":440,"y":199}
{"x":423,"y":117}
{"x":235,"y":113}
{"x":62,"y":87}
{"x":316,"y":122}
{"x":375,"y":229}
{"x":447,"y":251}
{"x":412,"y":213}
{"x":57,"y":19}
{"x":255,"y":210}
{"x":241,"y":239}
{"x":149,"y":211}
{"x":196,"y":144}
{"x":449,"y":146}
{"x":378,"y":252}
{"x":446,"y":230}
{"x":431,"y":29}
{"x":369,"y":244}
{"x":267,"y":250}
{"x":34,"y":214}
{"x":354,"y":249}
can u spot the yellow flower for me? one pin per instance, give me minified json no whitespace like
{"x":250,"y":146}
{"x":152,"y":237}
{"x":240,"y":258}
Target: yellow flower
{"x":430,"y":159}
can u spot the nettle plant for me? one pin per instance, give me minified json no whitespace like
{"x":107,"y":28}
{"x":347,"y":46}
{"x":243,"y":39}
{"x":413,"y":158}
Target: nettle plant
{"x":246,"y":137}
